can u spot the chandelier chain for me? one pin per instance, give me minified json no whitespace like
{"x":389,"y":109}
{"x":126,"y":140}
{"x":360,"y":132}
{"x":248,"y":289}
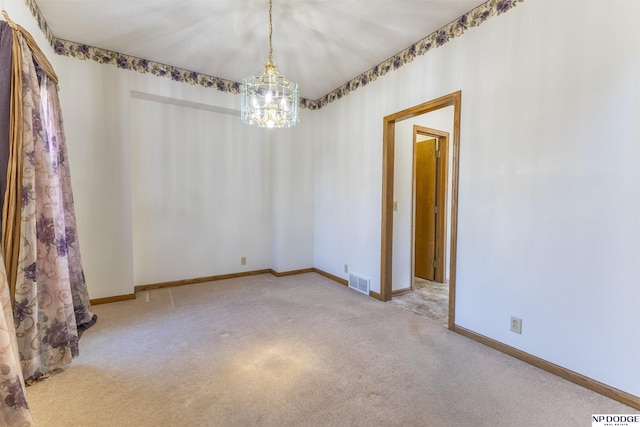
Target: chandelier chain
{"x":270,"y":32}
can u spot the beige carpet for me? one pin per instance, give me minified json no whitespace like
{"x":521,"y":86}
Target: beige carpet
{"x":294,"y":351}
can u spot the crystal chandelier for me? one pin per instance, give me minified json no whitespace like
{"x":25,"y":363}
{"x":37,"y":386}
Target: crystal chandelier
{"x":269,"y":100}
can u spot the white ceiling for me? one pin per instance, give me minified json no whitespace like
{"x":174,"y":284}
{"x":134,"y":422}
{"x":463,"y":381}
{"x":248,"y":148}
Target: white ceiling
{"x":320,"y":44}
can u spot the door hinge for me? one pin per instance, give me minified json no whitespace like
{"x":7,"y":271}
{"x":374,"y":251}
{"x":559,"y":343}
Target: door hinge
{"x":435,"y":264}
{"x":435,"y":209}
{"x":437,"y":154}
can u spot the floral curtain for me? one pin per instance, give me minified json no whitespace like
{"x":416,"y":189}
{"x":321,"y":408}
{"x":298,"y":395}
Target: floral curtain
{"x":13,"y":405}
{"x":44,"y":293}
{"x":67,"y":244}
{"x":43,"y":308}
{"x":51,"y":303}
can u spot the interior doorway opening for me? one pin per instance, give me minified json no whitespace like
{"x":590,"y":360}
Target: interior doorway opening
{"x":389,"y":123}
{"x":430,"y":166}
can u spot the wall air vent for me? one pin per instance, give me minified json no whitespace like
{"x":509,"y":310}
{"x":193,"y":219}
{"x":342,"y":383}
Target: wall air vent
{"x":359,"y":283}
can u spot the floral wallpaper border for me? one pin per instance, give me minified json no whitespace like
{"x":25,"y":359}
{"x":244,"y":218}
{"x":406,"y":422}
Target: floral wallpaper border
{"x":436,"y":39}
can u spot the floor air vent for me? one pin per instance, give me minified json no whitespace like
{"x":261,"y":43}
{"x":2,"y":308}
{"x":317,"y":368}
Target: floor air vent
{"x":359,"y":283}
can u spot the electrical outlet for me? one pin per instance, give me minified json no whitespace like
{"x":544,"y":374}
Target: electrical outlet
{"x":346,"y":268}
{"x":243,"y":260}
{"x":516,"y":325}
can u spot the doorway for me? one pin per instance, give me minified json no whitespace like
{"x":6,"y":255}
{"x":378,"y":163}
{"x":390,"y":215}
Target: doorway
{"x":389,"y":122}
{"x":430,"y":155}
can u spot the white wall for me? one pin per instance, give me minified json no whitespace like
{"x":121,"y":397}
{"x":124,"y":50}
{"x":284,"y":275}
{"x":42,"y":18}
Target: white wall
{"x":97,"y":135}
{"x":201,"y":184}
{"x":549,"y":188}
{"x":348,"y":174}
{"x":98,"y":106}
{"x":185,"y":189}
{"x":549,"y":179}
{"x":292,"y":197}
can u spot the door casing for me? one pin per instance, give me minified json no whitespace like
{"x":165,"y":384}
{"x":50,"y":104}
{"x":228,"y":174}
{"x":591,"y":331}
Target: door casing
{"x":388,"y":145}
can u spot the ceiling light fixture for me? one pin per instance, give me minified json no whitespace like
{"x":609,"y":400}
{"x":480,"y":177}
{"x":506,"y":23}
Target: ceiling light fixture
{"x":269,"y":100}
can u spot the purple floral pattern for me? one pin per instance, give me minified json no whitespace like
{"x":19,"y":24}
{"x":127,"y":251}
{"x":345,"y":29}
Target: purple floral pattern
{"x":51,"y":299}
{"x":30,"y":272}
{"x":14,"y":397}
{"x":45,"y":230}
{"x":22,"y":311}
{"x":67,"y":243}
{"x":13,"y":403}
{"x":438,"y":38}
{"x":56,"y":334}
{"x":27,"y":195}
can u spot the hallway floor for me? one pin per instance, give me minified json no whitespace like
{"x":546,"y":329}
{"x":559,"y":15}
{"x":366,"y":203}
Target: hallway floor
{"x":429,"y":299}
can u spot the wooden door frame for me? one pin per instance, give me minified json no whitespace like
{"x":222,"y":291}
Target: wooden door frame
{"x":441,"y":200}
{"x":388,"y":146}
